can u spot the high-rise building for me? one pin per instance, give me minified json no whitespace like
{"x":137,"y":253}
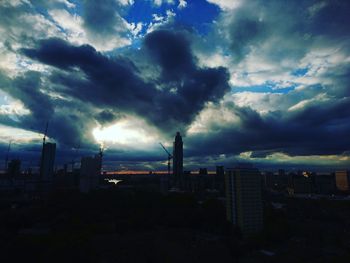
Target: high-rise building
{"x":178,"y":159}
{"x":47,"y":161}
{"x":244,"y":205}
{"x":342,"y":180}
{"x":90,"y":173}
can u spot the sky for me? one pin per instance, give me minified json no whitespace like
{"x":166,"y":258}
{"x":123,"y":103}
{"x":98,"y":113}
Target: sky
{"x":257,"y":81}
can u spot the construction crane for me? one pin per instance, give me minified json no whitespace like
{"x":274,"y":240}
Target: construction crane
{"x":169,"y":157}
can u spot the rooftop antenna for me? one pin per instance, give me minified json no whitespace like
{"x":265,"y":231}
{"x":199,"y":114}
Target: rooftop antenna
{"x":47,"y":126}
{"x":43,"y":152}
{"x":169,"y":157}
{"x":7,"y":155}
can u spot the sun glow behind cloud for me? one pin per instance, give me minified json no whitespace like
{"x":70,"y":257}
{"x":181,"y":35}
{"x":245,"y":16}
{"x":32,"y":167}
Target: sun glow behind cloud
{"x":129,"y":132}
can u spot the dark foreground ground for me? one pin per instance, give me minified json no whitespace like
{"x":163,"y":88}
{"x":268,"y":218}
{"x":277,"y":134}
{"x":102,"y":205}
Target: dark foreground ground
{"x":121,"y":226}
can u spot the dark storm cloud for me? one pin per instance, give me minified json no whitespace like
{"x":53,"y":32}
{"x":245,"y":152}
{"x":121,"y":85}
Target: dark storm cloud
{"x":187,"y":87}
{"x":116,"y":82}
{"x":319,"y":129}
{"x":332,"y":18}
{"x":245,"y":32}
{"x":172,"y":52}
{"x":107,"y":116}
{"x":68,"y":121}
{"x":26,"y":88}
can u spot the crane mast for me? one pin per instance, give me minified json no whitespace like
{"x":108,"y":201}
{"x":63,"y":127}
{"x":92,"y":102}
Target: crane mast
{"x":169,"y":157}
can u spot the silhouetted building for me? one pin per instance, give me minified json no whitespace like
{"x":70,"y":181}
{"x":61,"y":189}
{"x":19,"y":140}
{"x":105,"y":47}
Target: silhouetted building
{"x":47,"y":161}
{"x":342,"y":180}
{"x":219,"y":179}
{"x":178,"y":159}
{"x":90,"y":173}
{"x":269,"y":180}
{"x":244,"y":205}
{"x":220,"y":172}
{"x":325,"y":184}
{"x":164,"y":184}
{"x":14,"y":168}
{"x":281,"y":172}
{"x":302,"y":184}
{"x":203,"y":171}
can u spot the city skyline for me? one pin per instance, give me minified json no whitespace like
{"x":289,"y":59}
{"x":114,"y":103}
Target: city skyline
{"x":243,"y":81}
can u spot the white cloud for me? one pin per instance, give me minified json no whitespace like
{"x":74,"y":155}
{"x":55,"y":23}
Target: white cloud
{"x":304,"y":103}
{"x":212,"y":117}
{"x":72,"y":25}
{"x":226,"y":4}
{"x":129,"y":132}
{"x":159,"y":20}
{"x":14,"y":3}
{"x":182,"y":4}
{"x":17,"y":135}
{"x":75,"y":32}
{"x":13,"y":109}
{"x":126,"y":2}
{"x":282,"y":158}
{"x":160,"y":2}
{"x":135,"y":28}
{"x":27,"y":26}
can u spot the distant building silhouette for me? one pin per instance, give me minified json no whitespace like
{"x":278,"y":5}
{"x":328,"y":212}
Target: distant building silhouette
{"x":244,"y":205}
{"x":342,"y":179}
{"x":14,"y":168}
{"x":203,"y":171}
{"x":219,"y":179}
{"x":325,"y":184}
{"x":178,"y":159}
{"x":302,"y":184}
{"x":90,"y":173}
{"x":47,"y":161}
{"x":164,"y":184}
{"x":220,"y":171}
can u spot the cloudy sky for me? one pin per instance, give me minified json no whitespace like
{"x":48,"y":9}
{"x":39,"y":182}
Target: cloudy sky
{"x":242,"y":80}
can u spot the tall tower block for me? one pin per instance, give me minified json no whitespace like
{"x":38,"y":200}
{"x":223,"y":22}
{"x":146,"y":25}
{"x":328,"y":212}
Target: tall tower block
{"x":178,"y":158}
{"x":244,"y":204}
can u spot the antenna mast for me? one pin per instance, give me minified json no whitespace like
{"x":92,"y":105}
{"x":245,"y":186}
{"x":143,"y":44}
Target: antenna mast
{"x":44,"y":138}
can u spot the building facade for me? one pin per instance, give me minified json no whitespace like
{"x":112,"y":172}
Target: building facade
{"x":342,"y":180}
{"x":244,"y":205}
{"x":90,"y":173}
{"x":47,"y":161}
